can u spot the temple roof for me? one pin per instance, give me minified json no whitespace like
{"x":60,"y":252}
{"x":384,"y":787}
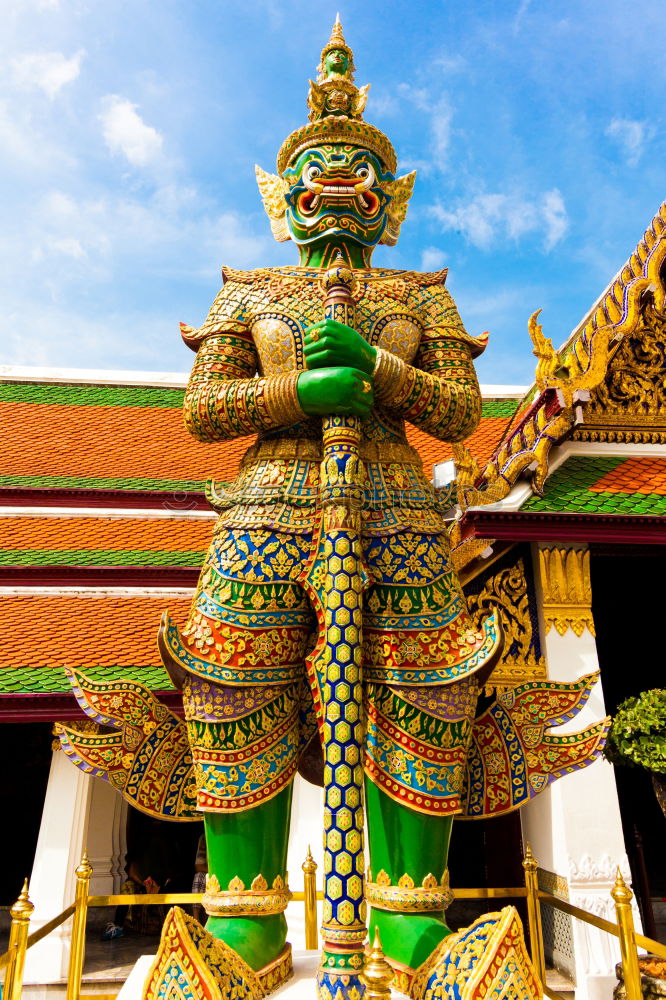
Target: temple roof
{"x":589,"y":438}
{"x":93,"y":436}
{"x":606,"y":485}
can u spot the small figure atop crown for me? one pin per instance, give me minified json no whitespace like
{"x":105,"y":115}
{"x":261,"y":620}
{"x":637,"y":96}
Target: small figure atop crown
{"x":335,"y":93}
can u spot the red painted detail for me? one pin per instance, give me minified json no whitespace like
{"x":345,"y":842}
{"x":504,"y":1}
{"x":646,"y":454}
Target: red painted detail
{"x":47,"y":496}
{"x":514,"y":526}
{"x":47,"y":707}
{"x":99,"y":576}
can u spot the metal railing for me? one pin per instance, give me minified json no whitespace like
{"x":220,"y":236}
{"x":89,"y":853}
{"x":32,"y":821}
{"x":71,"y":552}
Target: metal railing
{"x":20,"y":941}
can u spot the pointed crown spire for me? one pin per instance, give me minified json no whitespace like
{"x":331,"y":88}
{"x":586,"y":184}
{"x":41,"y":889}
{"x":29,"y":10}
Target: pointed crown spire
{"x":336,"y":108}
{"x":336,"y":42}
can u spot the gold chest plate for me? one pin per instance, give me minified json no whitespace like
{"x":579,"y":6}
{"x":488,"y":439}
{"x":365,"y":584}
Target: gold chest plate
{"x":279,"y":337}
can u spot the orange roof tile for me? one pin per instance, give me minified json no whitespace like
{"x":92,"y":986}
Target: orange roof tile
{"x":636,"y":475}
{"x":115,"y":534}
{"x":83,"y":631}
{"x":146,"y":443}
{"x":142,"y":442}
{"x":481,"y":443}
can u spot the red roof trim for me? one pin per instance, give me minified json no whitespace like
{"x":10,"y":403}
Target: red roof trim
{"x":34,"y":496}
{"x":99,"y":576}
{"x":47,"y":707}
{"x":515,"y":526}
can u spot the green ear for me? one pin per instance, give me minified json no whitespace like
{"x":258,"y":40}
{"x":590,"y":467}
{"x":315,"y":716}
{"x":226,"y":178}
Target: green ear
{"x":400,"y":191}
{"x":272,"y":189}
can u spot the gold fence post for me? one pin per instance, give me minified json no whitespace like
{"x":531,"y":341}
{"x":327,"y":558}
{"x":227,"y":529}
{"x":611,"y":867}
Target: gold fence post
{"x":309,"y":867}
{"x":20,"y":913}
{"x":622,"y":897}
{"x":78,"y":948}
{"x":531,"y":868}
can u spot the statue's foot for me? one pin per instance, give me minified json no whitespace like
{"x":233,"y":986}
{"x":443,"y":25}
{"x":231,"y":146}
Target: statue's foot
{"x":485,"y":960}
{"x":407,"y":940}
{"x":258,"y":940}
{"x":199,"y":965}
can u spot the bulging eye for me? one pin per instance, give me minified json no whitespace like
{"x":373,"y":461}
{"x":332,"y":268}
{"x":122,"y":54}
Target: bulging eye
{"x":365,"y":173}
{"x":312,"y":171}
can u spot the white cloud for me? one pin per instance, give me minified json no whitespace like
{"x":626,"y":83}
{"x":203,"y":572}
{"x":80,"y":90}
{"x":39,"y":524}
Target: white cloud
{"x":440,"y":124}
{"x":432,"y":259}
{"x":47,"y":71}
{"x":523,"y":8}
{"x":83,"y":251}
{"x":555,"y":218}
{"x":126,"y":132}
{"x":418,"y":96}
{"x":631,"y":136}
{"x":488,"y":218}
{"x":450,"y":63}
{"x":440,"y":111}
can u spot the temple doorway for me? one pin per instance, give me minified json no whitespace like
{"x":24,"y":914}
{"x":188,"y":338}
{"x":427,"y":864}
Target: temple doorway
{"x":484,"y":854}
{"x":26,"y":748}
{"x":628,"y":608}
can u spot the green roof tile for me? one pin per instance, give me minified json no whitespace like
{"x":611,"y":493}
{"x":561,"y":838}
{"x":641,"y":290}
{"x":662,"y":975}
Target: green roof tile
{"x":499,"y":407}
{"x":101,"y":483}
{"x":99,"y":557}
{"x":91,"y":395}
{"x":569,"y":490}
{"x":53,"y":680}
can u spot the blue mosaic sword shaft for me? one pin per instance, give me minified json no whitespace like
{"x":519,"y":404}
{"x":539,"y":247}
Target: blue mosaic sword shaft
{"x":341,"y":589}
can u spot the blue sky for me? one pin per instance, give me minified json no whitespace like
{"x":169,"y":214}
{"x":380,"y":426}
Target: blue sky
{"x":130,"y":130}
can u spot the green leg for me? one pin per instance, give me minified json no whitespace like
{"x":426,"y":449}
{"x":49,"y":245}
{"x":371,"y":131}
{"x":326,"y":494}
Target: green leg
{"x":403,"y":841}
{"x":247,"y":844}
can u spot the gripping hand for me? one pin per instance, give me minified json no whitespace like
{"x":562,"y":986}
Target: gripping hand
{"x":329,"y":344}
{"x":339,"y":390}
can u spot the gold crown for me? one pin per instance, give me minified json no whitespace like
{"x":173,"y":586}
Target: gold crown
{"x":336,"y":108}
{"x":337,"y":129}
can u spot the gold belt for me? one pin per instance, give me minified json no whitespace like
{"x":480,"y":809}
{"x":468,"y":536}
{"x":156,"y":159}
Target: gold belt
{"x":310,"y":449}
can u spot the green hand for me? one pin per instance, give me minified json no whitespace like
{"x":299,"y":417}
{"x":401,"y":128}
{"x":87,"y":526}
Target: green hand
{"x":329,"y":344}
{"x":339,"y":390}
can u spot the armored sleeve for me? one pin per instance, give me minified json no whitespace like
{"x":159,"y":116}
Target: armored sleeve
{"x":225,"y":398}
{"x":440,"y":392}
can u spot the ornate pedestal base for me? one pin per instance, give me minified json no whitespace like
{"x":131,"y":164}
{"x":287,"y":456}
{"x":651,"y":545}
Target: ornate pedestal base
{"x":486,"y":961}
{"x":338,"y":986}
{"x":193,"y":965}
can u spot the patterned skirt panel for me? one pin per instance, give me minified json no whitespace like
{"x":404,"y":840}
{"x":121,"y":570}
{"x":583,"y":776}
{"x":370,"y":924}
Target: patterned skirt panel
{"x":248,"y":708}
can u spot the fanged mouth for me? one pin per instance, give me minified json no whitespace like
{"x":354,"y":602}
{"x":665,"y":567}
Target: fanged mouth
{"x":310,"y":200}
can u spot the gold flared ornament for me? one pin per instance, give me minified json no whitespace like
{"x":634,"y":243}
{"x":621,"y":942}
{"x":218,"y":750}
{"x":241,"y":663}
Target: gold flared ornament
{"x":377,"y":974}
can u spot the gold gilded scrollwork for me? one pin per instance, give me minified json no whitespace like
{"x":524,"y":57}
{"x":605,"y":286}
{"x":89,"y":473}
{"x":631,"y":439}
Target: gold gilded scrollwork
{"x":400,"y":191}
{"x":406,"y":896}
{"x":258,"y":900}
{"x":272,"y":189}
{"x":506,"y":593}
{"x":567,"y":592}
{"x":615,"y":359}
{"x":630,"y":404}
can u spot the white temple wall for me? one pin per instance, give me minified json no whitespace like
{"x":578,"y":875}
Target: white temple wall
{"x":62,"y":836}
{"x":574,"y":827}
{"x":80,"y":812}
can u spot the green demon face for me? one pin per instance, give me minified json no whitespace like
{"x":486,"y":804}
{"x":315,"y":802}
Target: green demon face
{"x":336,"y":61}
{"x":335,"y":191}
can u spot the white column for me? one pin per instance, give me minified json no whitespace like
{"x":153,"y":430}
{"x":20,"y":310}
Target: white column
{"x":107,"y":842}
{"x":62,"y":837}
{"x":306,"y":830}
{"x":574,"y":827}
